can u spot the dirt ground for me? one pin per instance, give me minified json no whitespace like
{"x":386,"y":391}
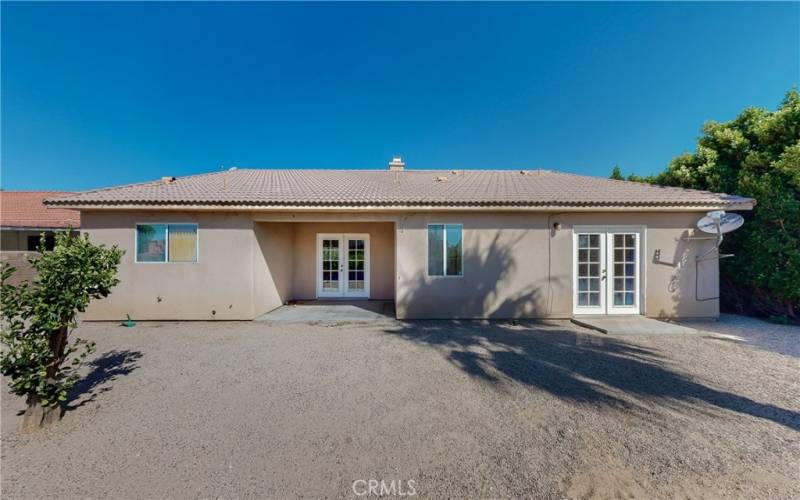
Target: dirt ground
{"x":452,"y":409}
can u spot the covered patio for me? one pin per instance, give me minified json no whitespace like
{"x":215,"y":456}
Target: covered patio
{"x":329,"y":268}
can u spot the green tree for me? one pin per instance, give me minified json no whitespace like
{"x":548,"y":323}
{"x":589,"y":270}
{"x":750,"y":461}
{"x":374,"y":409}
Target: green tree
{"x":616,"y":174}
{"x":757,"y":155}
{"x":37,"y":318}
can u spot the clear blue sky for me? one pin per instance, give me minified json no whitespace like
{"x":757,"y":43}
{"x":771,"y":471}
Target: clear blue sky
{"x":103,"y":94}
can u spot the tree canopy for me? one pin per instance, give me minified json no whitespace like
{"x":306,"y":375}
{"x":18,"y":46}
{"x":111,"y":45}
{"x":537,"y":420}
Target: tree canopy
{"x":757,"y":154}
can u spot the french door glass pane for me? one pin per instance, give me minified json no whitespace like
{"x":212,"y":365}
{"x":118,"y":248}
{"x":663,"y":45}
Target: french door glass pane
{"x":355,"y":265}
{"x":330,"y":265}
{"x":625,"y":270}
{"x":589,"y":270}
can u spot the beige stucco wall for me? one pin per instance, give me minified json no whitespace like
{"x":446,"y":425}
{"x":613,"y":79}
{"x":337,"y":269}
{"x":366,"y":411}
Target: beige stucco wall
{"x":273,"y":265}
{"x":245,"y":267}
{"x":222,"y":280}
{"x":516,"y":266}
{"x":381,"y":265}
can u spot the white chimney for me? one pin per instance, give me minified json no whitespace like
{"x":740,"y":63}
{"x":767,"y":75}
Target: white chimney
{"x":397,"y":165}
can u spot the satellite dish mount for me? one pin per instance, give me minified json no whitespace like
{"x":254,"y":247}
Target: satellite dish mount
{"x":717,"y":222}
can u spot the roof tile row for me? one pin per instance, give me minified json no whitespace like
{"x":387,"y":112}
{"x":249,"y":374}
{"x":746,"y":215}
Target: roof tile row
{"x":24,"y":209}
{"x":263,"y":187}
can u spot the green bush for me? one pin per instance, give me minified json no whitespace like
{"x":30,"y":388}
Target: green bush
{"x":755,"y":155}
{"x":37,"y":318}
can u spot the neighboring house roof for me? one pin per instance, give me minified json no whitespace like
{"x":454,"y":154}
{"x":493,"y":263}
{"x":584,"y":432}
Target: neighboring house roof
{"x":264,"y":188}
{"x":25,"y":209}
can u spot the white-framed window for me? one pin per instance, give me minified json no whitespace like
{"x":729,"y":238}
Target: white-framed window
{"x":445,"y":250}
{"x":165,"y":242}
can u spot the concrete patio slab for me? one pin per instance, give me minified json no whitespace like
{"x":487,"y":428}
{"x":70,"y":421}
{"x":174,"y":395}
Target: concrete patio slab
{"x":631,"y":325}
{"x":331,"y":311}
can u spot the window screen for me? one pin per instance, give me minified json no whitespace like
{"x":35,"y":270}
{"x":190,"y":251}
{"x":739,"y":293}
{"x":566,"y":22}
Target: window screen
{"x":436,"y":250}
{"x":151,"y":243}
{"x":445,"y":250}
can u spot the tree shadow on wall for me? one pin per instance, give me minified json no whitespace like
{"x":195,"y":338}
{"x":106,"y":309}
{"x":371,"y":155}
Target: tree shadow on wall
{"x":490,"y":287}
{"x":692,"y":283}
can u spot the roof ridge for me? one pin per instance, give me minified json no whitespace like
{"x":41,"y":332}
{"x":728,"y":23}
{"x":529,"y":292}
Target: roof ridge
{"x":407,"y":170}
{"x":320,"y":187}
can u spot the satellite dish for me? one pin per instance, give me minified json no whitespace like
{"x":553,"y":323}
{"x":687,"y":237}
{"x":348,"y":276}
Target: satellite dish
{"x":718,"y":222}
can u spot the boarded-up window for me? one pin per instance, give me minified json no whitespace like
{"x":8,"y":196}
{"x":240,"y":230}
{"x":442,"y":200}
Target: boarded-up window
{"x":182,"y":242}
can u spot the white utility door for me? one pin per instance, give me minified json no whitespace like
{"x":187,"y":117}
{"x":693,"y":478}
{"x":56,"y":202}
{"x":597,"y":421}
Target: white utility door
{"x":343,"y":265}
{"x":607,"y":273}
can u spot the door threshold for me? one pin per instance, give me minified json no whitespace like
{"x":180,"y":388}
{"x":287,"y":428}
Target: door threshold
{"x":332,"y":299}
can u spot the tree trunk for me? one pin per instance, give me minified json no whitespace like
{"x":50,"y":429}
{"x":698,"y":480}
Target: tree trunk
{"x":38,"y":416}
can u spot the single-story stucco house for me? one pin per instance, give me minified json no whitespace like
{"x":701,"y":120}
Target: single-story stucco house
{"x":24,"y":217}
{"x":23,"y":220}
{"x":441,"y":244}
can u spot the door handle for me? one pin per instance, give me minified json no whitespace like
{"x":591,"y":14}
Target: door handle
{"x":604,"y":275}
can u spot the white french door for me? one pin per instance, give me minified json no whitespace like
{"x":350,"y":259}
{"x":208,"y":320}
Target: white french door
{"x":342,"y":265}
{"x":607,"y":271}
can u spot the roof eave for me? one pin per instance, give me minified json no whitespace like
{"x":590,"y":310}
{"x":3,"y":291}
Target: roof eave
{"x":505,"y":207}
{"x":39,"y":228}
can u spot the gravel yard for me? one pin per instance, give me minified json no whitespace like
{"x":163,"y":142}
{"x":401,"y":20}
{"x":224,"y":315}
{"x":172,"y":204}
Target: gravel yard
{"x":464,"y":409}
{"x":783,"y":339}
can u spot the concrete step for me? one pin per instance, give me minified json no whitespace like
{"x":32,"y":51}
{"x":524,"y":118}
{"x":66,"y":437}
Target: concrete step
{"x":630,"y":325}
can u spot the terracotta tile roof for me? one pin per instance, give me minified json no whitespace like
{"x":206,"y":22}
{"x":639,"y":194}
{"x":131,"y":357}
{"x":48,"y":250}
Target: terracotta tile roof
{"x":410,"y":188}
{"x":20,"y":209}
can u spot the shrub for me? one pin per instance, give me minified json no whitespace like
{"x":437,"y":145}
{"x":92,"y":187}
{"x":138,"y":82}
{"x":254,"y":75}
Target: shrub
{"x":37,"y":318}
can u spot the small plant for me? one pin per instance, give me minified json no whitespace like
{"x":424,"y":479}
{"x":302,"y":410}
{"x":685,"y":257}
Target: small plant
{"x":37,"y":318}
